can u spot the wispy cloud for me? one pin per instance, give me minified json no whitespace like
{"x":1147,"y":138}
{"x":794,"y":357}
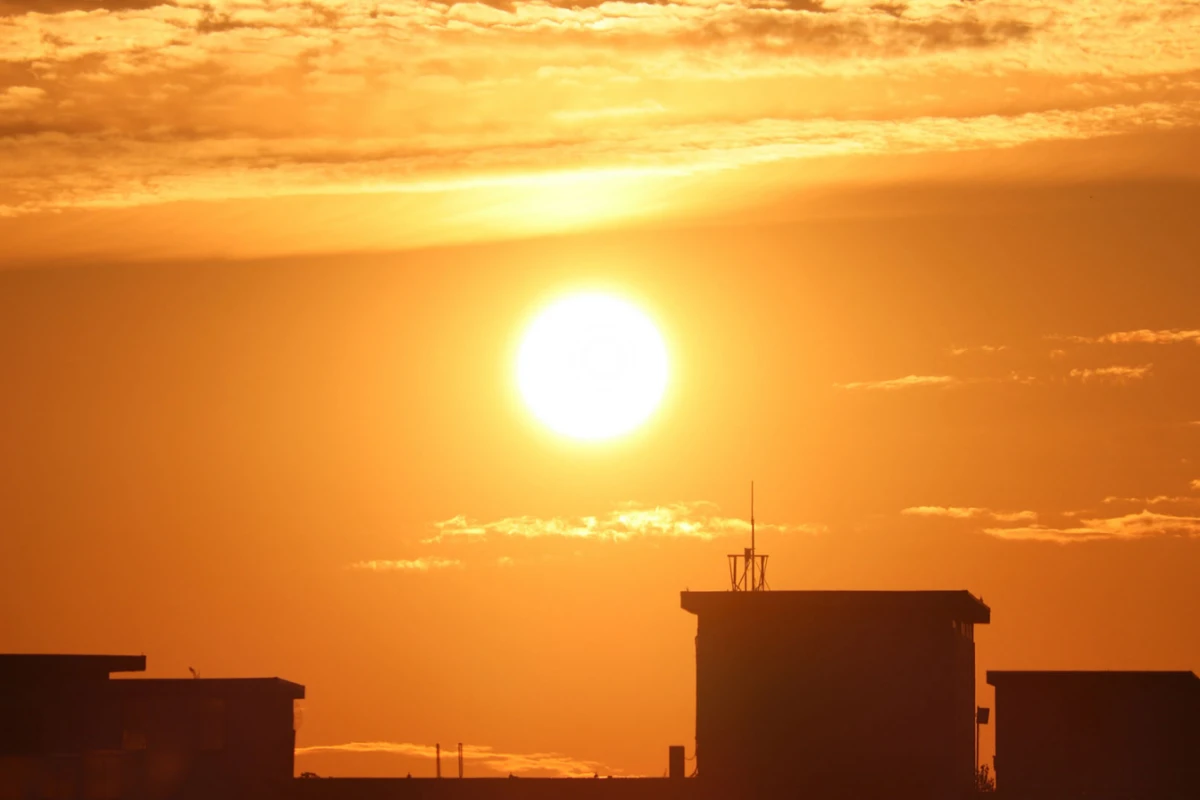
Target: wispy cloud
{"x":1143,"y":336}
{"x":1115,"y":374}
{"x":1142,"y":525}
{"x":970,"y":512}
{"x":694,"y":520}
{"x":552,"y":764}
{"x":1196,"y":484}
{"x":907,"y":382}
{"x":423,"y":564}
{"x":981,"y":348}
{"x":16,"y":98}
{"x":1157,"y":500}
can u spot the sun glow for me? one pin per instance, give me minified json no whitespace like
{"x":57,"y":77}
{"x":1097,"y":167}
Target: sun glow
{"x":592,"y":366}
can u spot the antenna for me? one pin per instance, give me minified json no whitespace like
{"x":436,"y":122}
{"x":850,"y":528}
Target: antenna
{"x":748,"y":570}
{"x":437,"y":748}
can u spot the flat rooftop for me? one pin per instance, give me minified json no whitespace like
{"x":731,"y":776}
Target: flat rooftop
{"x":36,"y":668}
{"x":1183,"y":679}
{"x":959,"y":604}
{"x":215,"y":687}
{"x":31,"y":666}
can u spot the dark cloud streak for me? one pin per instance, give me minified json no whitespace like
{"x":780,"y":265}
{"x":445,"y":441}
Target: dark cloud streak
{"x":13,"y":8}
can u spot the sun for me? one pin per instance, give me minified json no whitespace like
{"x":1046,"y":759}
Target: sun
{"x":592,"y":366}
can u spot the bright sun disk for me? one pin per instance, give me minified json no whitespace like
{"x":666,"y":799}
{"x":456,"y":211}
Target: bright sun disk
{"x":592,"y":366}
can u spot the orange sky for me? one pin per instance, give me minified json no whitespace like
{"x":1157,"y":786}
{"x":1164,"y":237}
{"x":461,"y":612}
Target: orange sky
{"x":926,"y":273}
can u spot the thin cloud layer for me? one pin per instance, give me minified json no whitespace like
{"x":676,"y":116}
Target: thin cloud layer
{"x":961,"y":512}
{"x":1157,"y":500}
{"x":696,"y":520}
{"x":907,"y":382}
{"x":544,"y":764}
{"x":1143,"y":336}
{"x":1115,"y":374}
{"x":981,"y":348}
{"x":1142,"y":525}
{"x":422,"y":564}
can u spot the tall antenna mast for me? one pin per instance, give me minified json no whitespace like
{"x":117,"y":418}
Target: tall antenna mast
{"x":748,"y":570}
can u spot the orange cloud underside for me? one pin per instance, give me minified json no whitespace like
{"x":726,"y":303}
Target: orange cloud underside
{"x":582,"y":114}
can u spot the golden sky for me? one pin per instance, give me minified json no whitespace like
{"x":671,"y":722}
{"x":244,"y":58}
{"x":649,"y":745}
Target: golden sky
{"x":926,"y":272}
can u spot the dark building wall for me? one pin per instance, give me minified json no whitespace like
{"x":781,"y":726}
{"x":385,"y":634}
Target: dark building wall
{"x":836,"y":694}
{"x":70,"y":734}
{"x":1114,"y":735}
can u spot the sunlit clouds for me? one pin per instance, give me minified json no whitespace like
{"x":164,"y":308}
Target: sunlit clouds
{"x":124,"y":104}
{"x":406,"y":565}
{"x":695,"y":520}
{"x":1143,"y":336}
{"x":1144,"y":524}
{"x":1161,"y":499}
{"x":553,"y":765}
{"x":959,"y":512}
{"x":982,"y":348}
{"x":1082,"y":526}
{"x":907,"y":382}
{"x":1114,"y":374}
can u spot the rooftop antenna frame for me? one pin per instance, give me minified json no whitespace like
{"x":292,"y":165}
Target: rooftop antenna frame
{"x":748,"y":569}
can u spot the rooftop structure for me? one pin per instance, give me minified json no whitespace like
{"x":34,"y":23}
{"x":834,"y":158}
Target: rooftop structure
{"x":1099,"y":735}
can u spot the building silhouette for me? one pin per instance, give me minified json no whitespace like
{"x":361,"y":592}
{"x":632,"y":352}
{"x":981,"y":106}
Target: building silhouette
{"x":68,"y":730}
{"x":836,"y":694}
{"x":822,"y":695}
{"x":1102,"y":735}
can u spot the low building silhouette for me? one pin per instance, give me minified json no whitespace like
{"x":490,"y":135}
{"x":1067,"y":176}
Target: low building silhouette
{"x":836,"y":694}
{"x":822,"y":695}
{"x":68,"y":730}
{"x":1102,"y":735}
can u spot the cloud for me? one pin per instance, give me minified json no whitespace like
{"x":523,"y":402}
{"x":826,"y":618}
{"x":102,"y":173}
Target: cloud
{"x":907,"y":382}
{"x":1143,"y":336}
{"x":150,"y":103}
{"x":695,"y":520}
{"x":17,"y":7}
{"x":1114,"y":374}
{"x":647,"y":107}
{"x":1196,"y":484}
{"x":961,"y":512}
{"x":1161,"y":499}
{"x":15,"y":98}
{"x":982,"y":348}
{"x":551,"y":764}
{"x":1143,"y":525}
{"x":423,"y":564}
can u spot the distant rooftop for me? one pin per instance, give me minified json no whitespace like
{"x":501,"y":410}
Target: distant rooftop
{"x":1182,"y":678}
{"x":27,"y":666}
{"x":960,"y":605}
{"x":216,"y":687}
{"x":23,"y":668}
